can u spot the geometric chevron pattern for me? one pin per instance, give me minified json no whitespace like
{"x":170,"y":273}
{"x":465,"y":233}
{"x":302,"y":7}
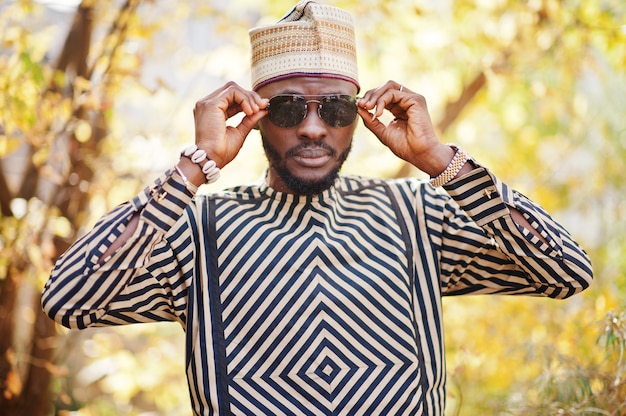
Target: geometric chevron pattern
{"x":316,"y":323}
{"x":327,"y":305}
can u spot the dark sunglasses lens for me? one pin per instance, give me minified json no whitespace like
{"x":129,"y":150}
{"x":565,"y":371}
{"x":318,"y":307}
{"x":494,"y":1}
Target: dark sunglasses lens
{"x":338,"y":110}
{"x":287,"y":110}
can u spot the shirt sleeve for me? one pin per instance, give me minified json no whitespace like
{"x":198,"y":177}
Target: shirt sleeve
{"x":485,"y":251}
{"x":143,"y":281}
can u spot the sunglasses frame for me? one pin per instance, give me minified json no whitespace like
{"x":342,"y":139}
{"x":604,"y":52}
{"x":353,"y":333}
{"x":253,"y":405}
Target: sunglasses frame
{"x":320,"y":100}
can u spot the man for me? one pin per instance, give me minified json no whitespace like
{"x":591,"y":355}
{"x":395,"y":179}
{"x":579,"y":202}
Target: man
{"x":312,"y":293}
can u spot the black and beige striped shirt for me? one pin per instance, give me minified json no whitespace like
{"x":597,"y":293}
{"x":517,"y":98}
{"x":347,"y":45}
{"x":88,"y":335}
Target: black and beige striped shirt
{"x":324,"y":305}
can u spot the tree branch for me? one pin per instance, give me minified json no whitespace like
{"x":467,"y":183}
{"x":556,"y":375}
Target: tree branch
{"x":5,"y":194}
{"x":454,"y":109}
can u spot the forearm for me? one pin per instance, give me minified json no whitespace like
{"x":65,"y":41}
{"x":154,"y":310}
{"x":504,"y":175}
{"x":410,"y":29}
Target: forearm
{"x":130,"y":229}
{"x":192,"y":173}
{"x":439,"y":161}
{"x":553,"y":263}
{"x":520,"y":220}
{"x":101,"y":264}
{"x":81,"y":283}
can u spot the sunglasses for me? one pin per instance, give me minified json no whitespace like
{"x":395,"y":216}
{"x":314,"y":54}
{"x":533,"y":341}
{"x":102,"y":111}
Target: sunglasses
{"x":288,"y":110}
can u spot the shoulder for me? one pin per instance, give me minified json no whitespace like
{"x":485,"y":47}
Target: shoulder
{"x":416,"y":187}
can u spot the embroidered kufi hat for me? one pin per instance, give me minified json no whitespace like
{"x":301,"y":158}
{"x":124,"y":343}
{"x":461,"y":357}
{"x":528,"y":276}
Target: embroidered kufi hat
{"x":313,"y":39}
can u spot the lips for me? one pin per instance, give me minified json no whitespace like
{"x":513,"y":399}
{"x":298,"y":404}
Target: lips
{"x":312,"y":156}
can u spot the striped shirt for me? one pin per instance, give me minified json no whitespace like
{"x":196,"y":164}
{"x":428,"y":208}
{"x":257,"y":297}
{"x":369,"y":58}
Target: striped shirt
{"x":313,"y":305}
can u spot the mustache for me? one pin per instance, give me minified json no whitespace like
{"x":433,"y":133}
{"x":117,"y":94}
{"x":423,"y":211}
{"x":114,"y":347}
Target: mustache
{"x":292,"y":151}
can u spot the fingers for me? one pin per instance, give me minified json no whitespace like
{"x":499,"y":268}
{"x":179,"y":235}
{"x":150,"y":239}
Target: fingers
{"x":371,"y":122}
{"x":220,"y":141}
{"x":411,"y":129}
{"x":391,"y":96}
{"x":232,"y":99}
{"x":249,"y":122}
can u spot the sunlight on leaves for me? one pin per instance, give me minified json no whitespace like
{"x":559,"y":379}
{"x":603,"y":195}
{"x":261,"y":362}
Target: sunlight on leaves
{"x":549,"y":121}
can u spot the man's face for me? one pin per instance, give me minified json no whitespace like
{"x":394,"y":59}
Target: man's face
{"x":306,"y":158}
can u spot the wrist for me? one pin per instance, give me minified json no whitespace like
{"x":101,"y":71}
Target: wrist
{"x":456,"y":167}
{"x":192,"y":171}
{"x":204,"y":164}
{"x":436,"y":160}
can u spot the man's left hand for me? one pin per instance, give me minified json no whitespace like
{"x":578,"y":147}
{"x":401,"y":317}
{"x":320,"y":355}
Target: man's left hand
{"x":410,"y":135}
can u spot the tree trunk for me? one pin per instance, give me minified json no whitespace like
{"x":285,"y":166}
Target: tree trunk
{"x":27,"y":391}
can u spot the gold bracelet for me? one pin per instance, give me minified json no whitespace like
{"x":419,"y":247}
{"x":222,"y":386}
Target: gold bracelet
{"x":453,"y":168}
{"x":190,"y":186}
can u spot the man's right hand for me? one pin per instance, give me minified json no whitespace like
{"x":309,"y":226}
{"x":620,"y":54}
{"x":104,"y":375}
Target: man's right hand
{"x":220,"y":141}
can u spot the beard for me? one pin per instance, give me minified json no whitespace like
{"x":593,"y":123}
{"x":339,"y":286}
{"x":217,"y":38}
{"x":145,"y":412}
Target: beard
{"x":303,"y":186}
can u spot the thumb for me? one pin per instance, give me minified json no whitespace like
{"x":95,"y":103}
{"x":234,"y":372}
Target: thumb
{"x":249,"y":122}
{"x":373,"y":124}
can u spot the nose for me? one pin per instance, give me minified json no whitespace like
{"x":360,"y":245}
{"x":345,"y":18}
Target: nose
{"x":312,"y":127}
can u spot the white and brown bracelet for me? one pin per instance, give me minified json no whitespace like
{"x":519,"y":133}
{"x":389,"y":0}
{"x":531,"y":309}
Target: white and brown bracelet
{"x":453,"y":168}
{"x":199,"y":157}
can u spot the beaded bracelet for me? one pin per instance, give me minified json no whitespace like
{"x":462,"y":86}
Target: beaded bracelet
{"x":453,"y":168}
{"x":199,"y":157}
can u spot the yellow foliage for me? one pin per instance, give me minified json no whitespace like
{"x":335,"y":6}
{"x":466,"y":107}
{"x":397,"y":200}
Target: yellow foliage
{"x":82,"y":131}
{"x":549,"y":122}
{"x":14,"y":385}
{"x":8,"y":145}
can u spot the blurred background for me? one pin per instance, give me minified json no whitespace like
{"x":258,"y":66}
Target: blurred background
{"x":96,"y":100}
